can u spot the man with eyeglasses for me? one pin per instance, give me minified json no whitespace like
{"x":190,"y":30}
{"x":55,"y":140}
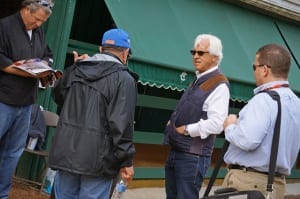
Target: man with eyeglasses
{"x":21,"y":38}
{"x":196,"y":121}
{"x":250,"y":135}
{"x":93,"y":142}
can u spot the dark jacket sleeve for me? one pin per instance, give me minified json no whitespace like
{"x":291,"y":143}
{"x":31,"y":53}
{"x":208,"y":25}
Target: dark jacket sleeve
{"x":120,"y":112}
{"x":4,"y":60}
{"x":47,"y":54}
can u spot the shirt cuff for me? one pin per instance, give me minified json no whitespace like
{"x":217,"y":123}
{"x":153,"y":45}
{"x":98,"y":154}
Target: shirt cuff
{"x":227,"y":131}
{"x":193,"y":130}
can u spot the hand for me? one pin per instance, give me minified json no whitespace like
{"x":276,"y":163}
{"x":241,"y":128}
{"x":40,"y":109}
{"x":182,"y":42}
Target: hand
{"x":127,"y":173}
{"x":58,"y":74}
{"x":180,"y":130}
{"x":81,"y":57}
{"x":231,"y":119}
{"x":48,"y":81}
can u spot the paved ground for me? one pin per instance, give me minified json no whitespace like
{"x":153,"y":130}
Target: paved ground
{"x":159,"y":193}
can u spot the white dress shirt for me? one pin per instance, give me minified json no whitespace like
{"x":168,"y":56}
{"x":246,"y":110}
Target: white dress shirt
{"x":216,"y":105}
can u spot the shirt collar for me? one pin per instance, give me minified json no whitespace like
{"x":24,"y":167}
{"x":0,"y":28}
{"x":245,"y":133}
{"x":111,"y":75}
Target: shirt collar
{"x":268,"y":85}
{"x":103,"y":57}
{"x":198,"y":74}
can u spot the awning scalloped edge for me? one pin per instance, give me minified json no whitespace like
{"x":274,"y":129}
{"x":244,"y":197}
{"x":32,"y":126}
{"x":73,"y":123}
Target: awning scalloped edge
{"x":174,"y":88}
{"x":161,"y":86}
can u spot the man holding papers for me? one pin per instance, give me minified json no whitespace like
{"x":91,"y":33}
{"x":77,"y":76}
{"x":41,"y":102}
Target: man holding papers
{"x":21,"y":38}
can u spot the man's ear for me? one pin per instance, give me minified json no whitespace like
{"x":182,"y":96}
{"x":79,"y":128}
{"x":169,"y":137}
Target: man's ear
{"x":125,"y":54}
{"x":266,"y":71}
{"x":215,"y":59}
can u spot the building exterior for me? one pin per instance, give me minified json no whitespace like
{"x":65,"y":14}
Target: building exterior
{"x":162,"y":34}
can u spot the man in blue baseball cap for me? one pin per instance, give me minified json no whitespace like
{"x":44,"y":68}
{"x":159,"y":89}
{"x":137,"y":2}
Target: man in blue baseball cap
{"x":116,"y":37}
{"x":93,"y":142}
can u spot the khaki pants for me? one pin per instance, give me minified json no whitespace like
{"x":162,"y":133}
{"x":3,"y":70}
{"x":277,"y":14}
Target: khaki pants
{"x":247,"y":180}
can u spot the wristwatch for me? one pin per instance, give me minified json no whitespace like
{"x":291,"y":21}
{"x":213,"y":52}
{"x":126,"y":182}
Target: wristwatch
{"x":186,"y":133}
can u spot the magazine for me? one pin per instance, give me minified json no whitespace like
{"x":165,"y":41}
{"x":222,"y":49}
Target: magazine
{"x":35,"y":67}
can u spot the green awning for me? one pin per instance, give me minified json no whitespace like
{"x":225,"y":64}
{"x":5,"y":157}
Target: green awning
{"x":291,"y":34}
{"x":163,"y":32}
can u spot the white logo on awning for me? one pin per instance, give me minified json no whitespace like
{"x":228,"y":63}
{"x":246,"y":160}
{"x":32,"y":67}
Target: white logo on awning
{"x":183,"y":76}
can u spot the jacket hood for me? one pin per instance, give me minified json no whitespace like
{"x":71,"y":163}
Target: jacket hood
{"x":97,"y":67}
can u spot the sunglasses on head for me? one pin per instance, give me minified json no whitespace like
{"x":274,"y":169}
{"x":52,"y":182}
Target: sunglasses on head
{"x":44,"y":3}
{"x":199,"y":52}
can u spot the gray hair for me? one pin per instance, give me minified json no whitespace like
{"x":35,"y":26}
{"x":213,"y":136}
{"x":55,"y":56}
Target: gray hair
{"x":215,"y":45}
{"x":34,"y":5}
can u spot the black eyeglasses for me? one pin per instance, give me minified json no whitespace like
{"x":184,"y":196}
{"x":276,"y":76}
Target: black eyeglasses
{"x":199,"y":53}
{"x":260,"y":65}
{"x":45,"y":4}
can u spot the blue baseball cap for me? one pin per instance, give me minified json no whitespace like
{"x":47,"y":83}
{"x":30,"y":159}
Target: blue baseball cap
{"x":116,"y":37}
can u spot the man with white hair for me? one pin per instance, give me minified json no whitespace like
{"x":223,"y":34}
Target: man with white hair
{"x":196,"y":121}
{"x":21,"y":38}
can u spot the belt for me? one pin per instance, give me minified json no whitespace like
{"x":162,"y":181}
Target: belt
{"x":234,"y":166}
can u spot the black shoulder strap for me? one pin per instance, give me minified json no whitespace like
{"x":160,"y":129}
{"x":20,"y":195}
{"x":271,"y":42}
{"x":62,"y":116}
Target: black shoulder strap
{"x":274,"y":150}
{"x":216,"y":168}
